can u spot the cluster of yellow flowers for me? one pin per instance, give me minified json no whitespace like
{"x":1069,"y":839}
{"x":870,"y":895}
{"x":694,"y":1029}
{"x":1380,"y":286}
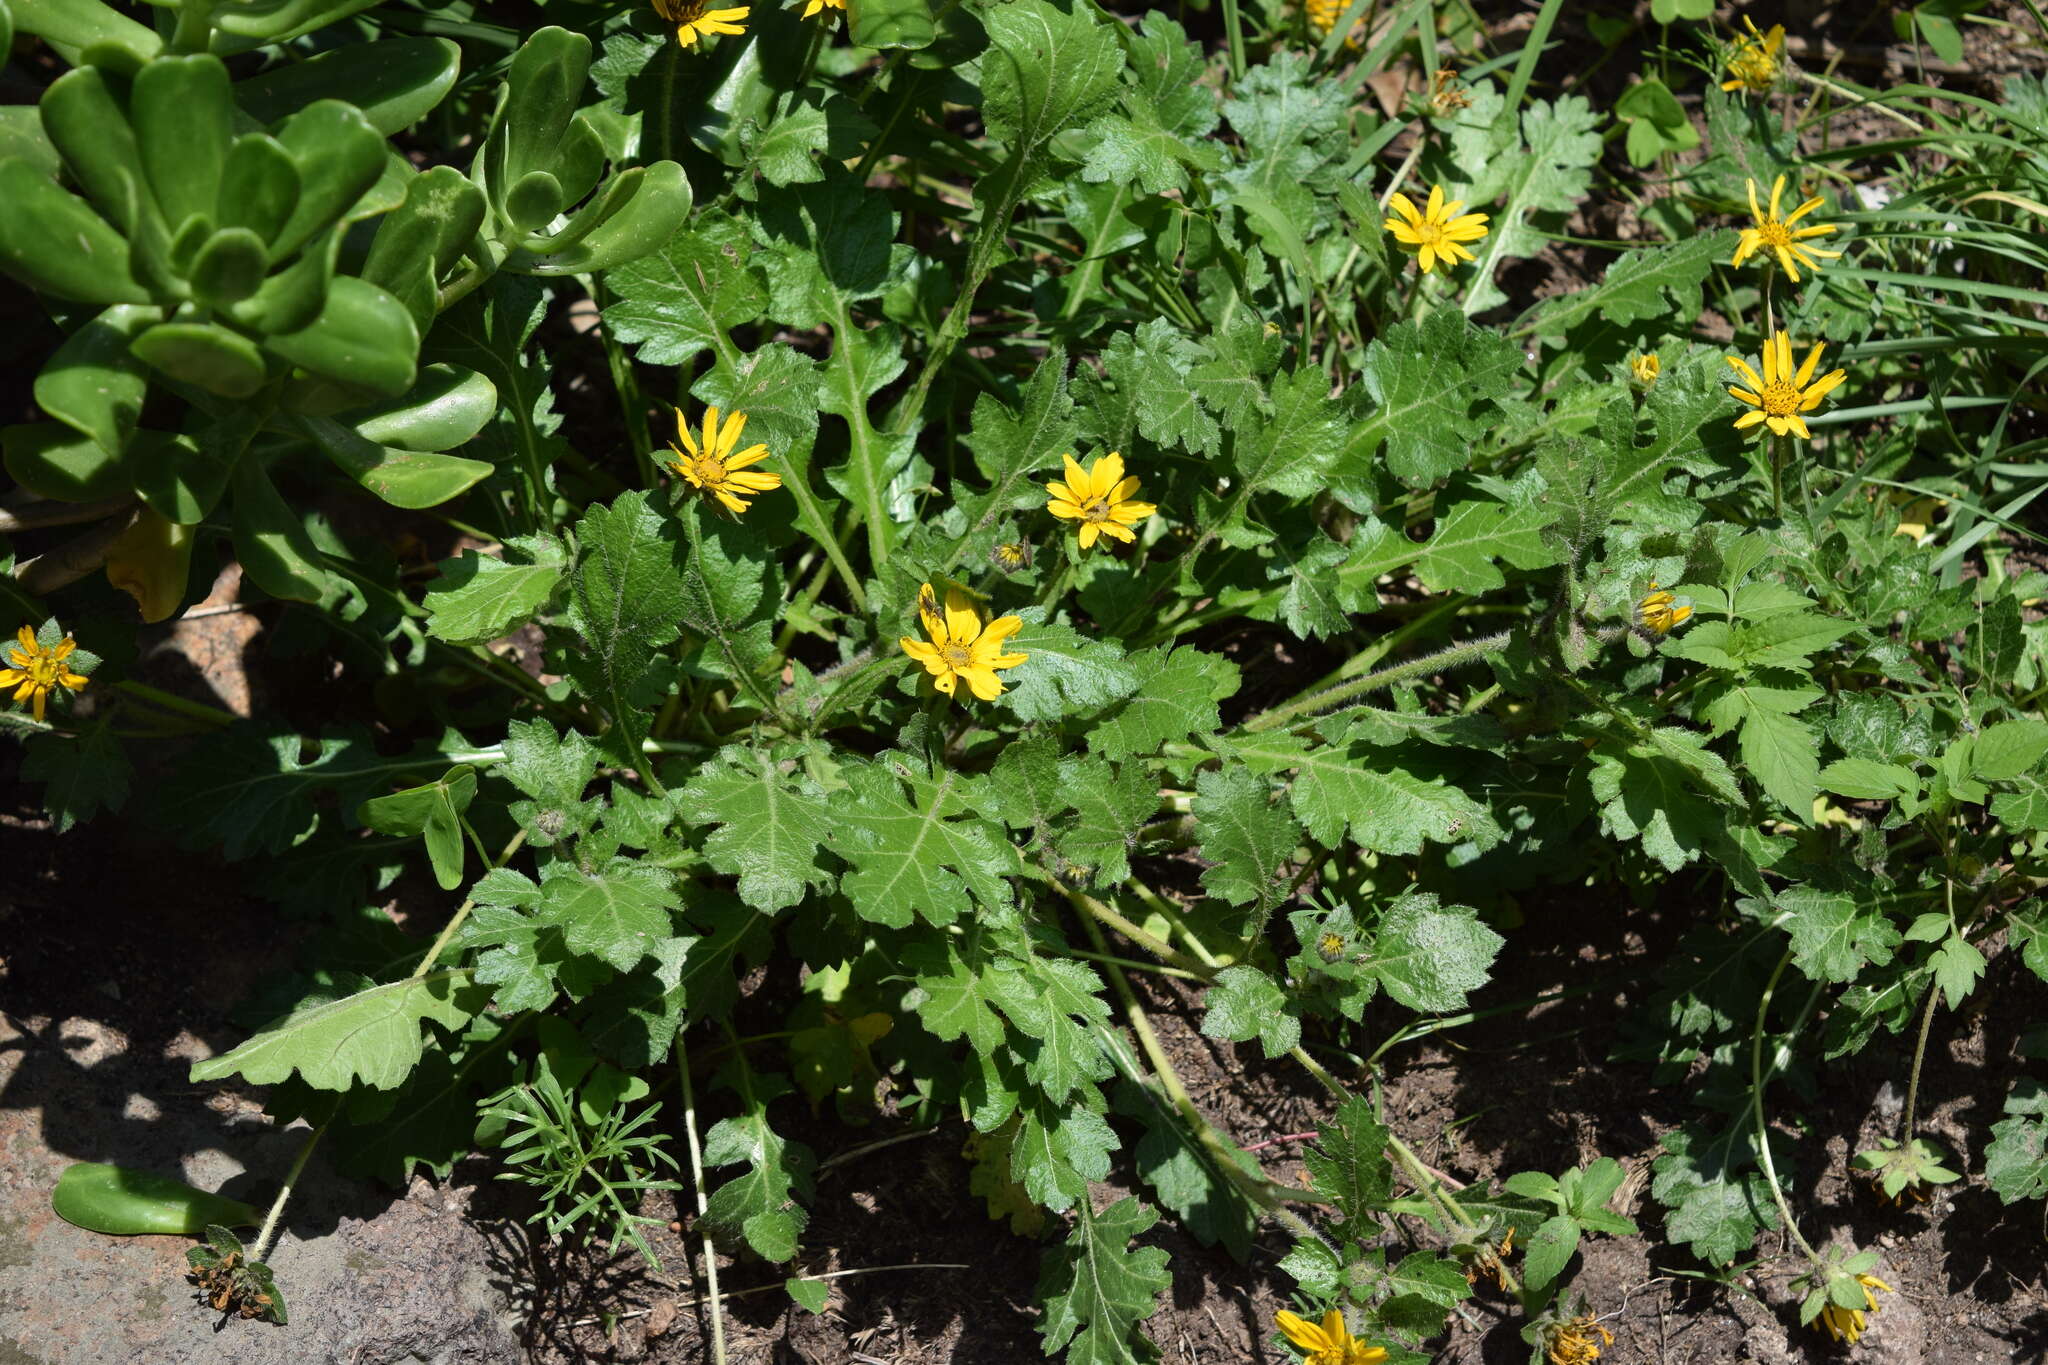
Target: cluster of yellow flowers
{"x":696,"y":20}
{"x":1781,"y":396}
{"x":1101,"y":500}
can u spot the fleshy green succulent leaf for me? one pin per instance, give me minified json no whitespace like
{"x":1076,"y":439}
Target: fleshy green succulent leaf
{"x":182,"y":476}
{"x":260,"y":22}
{"x":541,"y":92}
{"x":94,"y":383}
{"x":422,"y":238}
{"x":447,"y":407}
{"x":53,"y":241}
{"x":637,"y":212}
{"x":338,"y":156}
{"x":54,"y":461}
{"x":229,"y":268}
{"x":395,"y":82}
{"x":90,"y":127}
{"x":74,"y":27}
{"x":182,"y":112}
{"x":204,"y":354}
{"x":363,"y":338}
{"x":259,"y":186}
{"x":403,"y":478}
{"x":271,"y":542}
{"x":126,"y":1202}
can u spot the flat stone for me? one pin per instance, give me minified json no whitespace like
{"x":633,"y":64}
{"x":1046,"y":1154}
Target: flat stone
{"x":369,"y":1277}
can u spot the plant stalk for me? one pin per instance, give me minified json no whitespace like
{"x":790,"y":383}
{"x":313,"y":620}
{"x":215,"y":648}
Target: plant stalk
{"x":697,"y":1177}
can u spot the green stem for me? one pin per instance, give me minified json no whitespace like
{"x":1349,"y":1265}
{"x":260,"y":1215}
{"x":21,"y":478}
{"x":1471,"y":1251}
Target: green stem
{"x":1919,"y":1055}
{"x":271,"y":1221}
{"x":627,"y":386}
{"x":1160,"y":949}
{"x":193,"y":30}
{"x":697,"y":1177}
{"x":1129,"y":964}
{"x":1170,"y":912}
{"x":1756,"y":1111}
{"x":1222,"y":1153}
{"x":462,"y":913}
{"x":212,"y":715}
{"x":1233,"y":33}
{"x":1316,"y":1069}
{"x":1458,"y":655}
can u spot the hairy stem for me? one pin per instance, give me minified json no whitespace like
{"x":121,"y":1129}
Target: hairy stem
{"x":1457,"y":655}
{"x":697,"y":1176}
{"x":275,"y":1217}
{"x":1756,"y":1111}
{"x":462,"y":912}
{"x":1919,"y":1055}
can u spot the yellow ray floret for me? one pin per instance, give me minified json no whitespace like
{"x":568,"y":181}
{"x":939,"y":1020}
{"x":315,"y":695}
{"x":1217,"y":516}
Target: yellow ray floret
{"x":1753,"y":61}
{"x":1571,"y":1343}
{"x":34,"y":668}
{"x":712,"y":468}
{"x":816,"y":5}
{"x":1329,"y":1342}
{"x":1660,"y":611}
{"x":961,"y":647}
{"x":1846,"y":1324}
{"x":1100,"y":498}
{"x":1437,"y":232}
{"x":1644,"y":369}
{"x":694,"y":20}
{"x":1778,"y":399}
{"x":1786,"y":242}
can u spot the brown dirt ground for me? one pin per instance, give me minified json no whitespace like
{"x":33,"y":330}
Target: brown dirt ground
{"x":934,"y":1280}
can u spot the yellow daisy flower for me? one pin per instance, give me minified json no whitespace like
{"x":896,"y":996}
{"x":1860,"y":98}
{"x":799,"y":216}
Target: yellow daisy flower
{"x":1436,"y":233}
{"x":1660,"y":611}
{"x":1644,"y":369}
{"x":1329,"y":1344}
{"x":1846,"y":1324}
{"x":1781,"y":395}
{"x":713,"y":468}
{"x":1753,"y":61}
{"x":1100,"y":498}
{"x":1571,"y":1343}
{"x":1323,"y":16}
{"x":817,"y":5}
{"x":35,"y":668}
{"x":1780,"y":236}
{"x":961,"y":646}
{"x":694,"y":20}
